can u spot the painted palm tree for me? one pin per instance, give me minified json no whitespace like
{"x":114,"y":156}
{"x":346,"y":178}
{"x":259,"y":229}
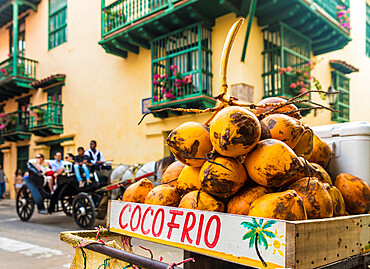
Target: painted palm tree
{"x":256,"y":234}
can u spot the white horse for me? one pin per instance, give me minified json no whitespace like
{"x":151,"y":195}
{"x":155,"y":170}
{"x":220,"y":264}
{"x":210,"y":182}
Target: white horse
{"x":151,"y":170}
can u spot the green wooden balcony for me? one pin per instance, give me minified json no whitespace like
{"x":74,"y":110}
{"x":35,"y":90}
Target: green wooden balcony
{"x":316,"y":19}
{"x":127,"y":25}
{"x":16,"y":126}
{"x":46,"y":119}
{"x":181,"y":69}
{"x":15,"y":81}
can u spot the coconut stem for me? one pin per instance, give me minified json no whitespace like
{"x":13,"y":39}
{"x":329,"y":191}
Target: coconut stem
{"x":258,"y":252}
{"x":226,"y":53}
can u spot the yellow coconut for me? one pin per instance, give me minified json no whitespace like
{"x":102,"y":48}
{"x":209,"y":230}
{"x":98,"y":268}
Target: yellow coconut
{"x":223,"y":177}
{"x":321,"y":174}
{"x":277,"y":100}
{"x":234,"y":131}
{"x":321,"y":152}
{"x":172,"y":173}
{"x":137,"y":192}
{"x":188,"y":141}
{"x":272,"y":163}
{"x":189,"y":179}
{"x":283,"y":128}
{"x":163,"y":195}
{"x":285,"y":205}
{"x":339,"y":206}
{"x":356,"y":193}
{"x":240,"y":203}
{"x":316,"y":199}
{"x":202,"y":201}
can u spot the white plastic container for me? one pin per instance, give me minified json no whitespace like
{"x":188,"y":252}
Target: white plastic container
{"x":350,"y":143}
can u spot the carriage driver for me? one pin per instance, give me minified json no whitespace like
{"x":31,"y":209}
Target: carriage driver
{"x":96,"y":157}
{"x":57,"y":165}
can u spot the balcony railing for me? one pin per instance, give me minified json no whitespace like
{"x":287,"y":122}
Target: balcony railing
{"x":46,"y":119}
{"x":16,"y":122}
{"x":26,"y":68}
{"x":181,"y":65}
{"x":330,"y":6}
{"x":124,"y":12}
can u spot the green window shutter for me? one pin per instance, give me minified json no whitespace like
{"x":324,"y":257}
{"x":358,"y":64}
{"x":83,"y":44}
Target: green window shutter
{"x":368,"y":30}
{"x":341,"y":83}
{"x":190,"y":50}
{"x":283,"y":47}
{"x":22,"y":158}
{"x":57,"y":22}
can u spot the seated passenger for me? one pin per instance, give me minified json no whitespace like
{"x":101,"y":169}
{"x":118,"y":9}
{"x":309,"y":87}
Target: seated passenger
{"x":96,"y":157}
{"x":45,"y":169}
{"x":82,"y":161}
{"x":57,"y":165}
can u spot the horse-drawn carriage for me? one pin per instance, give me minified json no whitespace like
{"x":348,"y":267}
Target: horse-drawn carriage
{"x":84,"y":204}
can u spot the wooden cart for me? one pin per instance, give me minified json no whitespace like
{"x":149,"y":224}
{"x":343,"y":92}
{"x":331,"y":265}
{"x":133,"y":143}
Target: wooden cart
{"x":233,"y":241}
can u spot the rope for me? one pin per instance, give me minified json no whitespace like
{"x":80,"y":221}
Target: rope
{"x":97,"y":236}
{"x":84,"y":257}
{"x":105,"y":264}
{"x":184,"y":261}
{"x":151,"y":253}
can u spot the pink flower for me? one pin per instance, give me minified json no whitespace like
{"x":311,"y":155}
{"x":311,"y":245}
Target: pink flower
{"x":164,"y":76}
{"x":310,"y":77}
{"x":173,"y":67}
{"x":289,"y":69}
{"x":157,"y":76}
{"x":155,"y":82}
{"x":163,"y":90}
{"x":2,"y":115}
{"x":188,"y":79}
{"x":155,"y":97}
{"x":2,"y":126}
{"x":174,"y":73}
{"x":282,"y":70}
{"x":179,"y":93}
{"x":293,"y":85}
{"x":299,"y":71}
{"x":170,"y":96}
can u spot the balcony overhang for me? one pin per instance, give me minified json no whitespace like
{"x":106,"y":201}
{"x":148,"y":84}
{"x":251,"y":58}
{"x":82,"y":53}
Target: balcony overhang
{"x":47,"y":130}
{"x":343,"y":67}
{"x":16,"y":135}
{"x":307,"y":17}
{"x":14,"y":86}
{"x":199,"y":102}
{"x":6,"y":9}
{"x":141,"y":31}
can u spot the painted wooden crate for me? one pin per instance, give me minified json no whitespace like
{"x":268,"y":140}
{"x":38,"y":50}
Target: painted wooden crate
{"x":242,"y":239}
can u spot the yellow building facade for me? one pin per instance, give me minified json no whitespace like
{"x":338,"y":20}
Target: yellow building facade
{"x":106,"y":55}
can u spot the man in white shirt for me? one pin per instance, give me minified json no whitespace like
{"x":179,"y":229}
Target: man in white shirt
{"x":96,"y":157}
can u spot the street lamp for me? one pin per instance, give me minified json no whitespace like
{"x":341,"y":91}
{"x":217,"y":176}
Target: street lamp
{"x":332,"y":97}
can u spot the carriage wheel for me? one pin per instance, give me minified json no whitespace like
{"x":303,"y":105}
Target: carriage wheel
{"x":24,"y":204}
{"x":83,"y":210}
{"x":66,"y":201}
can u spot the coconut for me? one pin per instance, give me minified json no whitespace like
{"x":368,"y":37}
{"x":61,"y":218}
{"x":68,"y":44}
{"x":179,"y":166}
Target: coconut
{"x":202,"y":201}
{"x":240,"y":203}
{"x":356,"y":193}
{"x":189,"y":142}
{"x":272,"y":163}
{"x":316,"y":199}
{"x":189,"y":179}
{"x":285,"y":205}
{"x":172,"y":173}
{"x":163,"y":195}
{"x":234,"y":131}
{"x":223,"y":177}
{"x":137,"y":191}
